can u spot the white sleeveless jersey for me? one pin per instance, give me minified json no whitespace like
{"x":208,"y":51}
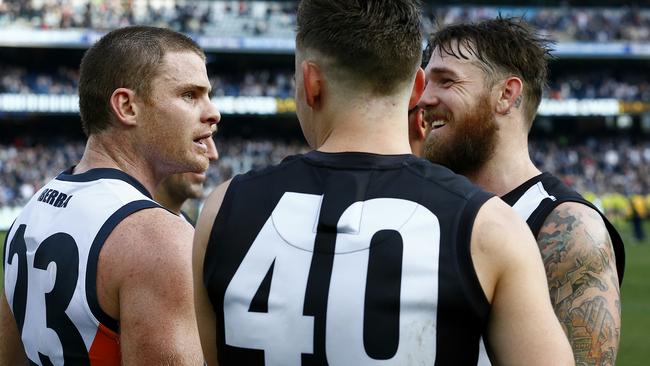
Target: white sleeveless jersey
{"x":50,"y":262}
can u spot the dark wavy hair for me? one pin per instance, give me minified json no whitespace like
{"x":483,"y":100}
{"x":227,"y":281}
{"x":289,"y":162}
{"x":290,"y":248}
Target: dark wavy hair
{"x":503,"y":47}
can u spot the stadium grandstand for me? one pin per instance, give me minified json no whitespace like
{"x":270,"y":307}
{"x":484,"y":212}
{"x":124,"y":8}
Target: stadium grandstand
{"x":593,"y":127}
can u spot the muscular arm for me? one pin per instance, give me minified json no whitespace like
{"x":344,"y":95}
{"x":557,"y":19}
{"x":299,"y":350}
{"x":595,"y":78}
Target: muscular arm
{"x":11,"y":347}
{"x":145,"y":280}
{"x":581,"y":272}
{"x":522,"y":328}
{"x":205,"y":314}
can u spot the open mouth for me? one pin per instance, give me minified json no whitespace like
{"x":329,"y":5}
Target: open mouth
{"x":438,"y":123}
{"x":201,"y":143}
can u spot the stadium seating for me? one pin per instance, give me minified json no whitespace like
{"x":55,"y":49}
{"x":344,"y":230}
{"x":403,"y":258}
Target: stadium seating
{"x":593,"y":127}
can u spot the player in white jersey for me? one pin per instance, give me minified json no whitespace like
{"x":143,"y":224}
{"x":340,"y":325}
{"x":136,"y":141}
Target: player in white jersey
{"x":96,"y":273}
{"x":484,"y":85}
{"x":178,"y":188}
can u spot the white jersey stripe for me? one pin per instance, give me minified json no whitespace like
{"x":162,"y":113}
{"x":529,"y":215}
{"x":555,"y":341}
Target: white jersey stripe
{"x":525,"y":206}
{"x":529,"y":201}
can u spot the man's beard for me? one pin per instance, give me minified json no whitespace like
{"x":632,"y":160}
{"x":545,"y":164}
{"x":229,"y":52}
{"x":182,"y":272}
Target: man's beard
{"x":471,"y":140}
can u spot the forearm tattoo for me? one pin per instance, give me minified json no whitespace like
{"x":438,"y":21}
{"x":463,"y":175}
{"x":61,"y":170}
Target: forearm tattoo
{"x":581,"y":274}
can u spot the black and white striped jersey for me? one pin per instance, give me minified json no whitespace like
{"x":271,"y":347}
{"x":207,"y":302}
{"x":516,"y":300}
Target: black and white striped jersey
{"x":536,"y":198}
{"x":346,"y":259}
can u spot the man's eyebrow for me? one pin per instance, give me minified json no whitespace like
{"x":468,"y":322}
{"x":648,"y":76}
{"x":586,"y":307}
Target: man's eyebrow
{"x":442,"y":71}
{"x":197,"y":87}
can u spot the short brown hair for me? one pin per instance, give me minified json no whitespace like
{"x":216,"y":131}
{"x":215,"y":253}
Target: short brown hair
{"x":376,"y":43}
{"x":124,"y":58}
{"x":505,"y":46}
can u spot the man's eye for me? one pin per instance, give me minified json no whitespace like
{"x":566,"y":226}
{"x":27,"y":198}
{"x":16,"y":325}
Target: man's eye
{"x":188,"y":96}
{"x":445,"y":82}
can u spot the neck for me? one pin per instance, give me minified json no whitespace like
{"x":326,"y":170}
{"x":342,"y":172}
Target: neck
{"x":506,"y":170}
{"x":104,"y":151}
{"x":375,"y":126}
{"x":169,"y":202}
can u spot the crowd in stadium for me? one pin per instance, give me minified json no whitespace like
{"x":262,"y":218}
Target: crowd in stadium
{"x":594,"y":166}
{"x":261,"y":83}
{"x":17,"y":80}
{"x":597,"y":86}
{"x":277,"y":19}
{"x":198,"y":17}
{"x":597,"y":166}
{"x":564,"y":23}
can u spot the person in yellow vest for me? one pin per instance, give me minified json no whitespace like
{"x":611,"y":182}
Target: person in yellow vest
{"x":638,"y":212}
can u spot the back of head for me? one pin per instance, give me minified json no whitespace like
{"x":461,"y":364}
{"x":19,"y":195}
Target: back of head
{"x":124,"y":58}
{"x":374,"y":45}
{"x":503,"y":47}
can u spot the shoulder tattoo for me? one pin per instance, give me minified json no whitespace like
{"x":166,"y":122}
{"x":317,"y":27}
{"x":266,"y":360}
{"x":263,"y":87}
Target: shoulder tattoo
{"x":580,"y":269}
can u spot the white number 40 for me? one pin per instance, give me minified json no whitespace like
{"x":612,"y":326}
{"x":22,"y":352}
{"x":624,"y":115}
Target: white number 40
{"x":286,"y":241}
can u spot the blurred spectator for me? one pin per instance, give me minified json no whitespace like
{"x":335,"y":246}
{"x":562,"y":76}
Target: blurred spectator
{"x":638,"y":212}
{"x":18,"y":80}
{"x":196,"y":17}
{"x":277,"y":18}
{"x":597,"y":166}
{"x":627,"y":87}
{"x":280,"y":83}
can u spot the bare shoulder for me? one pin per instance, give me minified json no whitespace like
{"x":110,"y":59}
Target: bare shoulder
{"x":154,"y":230}
{"x":206,"y":318}
{"x":581,"y":272}
{"x":147,"y":260}
{"x":500,"y":238}
{"x":210,"y":211}
{"x":522,"y":328}
{"x":495,"y":222}
{"x":571,"y":219}
{"x":146,"y":247}
{"x":575,"y":235}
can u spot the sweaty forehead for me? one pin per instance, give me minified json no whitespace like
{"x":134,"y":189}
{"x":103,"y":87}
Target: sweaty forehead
{"x":183,"y":67}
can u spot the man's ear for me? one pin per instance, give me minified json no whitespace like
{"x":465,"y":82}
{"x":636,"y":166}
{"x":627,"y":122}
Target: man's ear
{"x":313,"y":81}
{"x":123,"y":106}
{"x":417,"y":127}
{"x":510,"y":96}
{"x":418,"y":89}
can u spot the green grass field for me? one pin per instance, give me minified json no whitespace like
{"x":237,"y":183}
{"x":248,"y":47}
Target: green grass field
{"x":635,"y":299}
{"x":635,"y":340}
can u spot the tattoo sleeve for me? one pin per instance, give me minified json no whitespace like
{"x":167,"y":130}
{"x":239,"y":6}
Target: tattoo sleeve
{"x":581,"y":272}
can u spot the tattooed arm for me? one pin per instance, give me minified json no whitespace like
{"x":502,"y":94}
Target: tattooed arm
{"x":581,"y":271}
